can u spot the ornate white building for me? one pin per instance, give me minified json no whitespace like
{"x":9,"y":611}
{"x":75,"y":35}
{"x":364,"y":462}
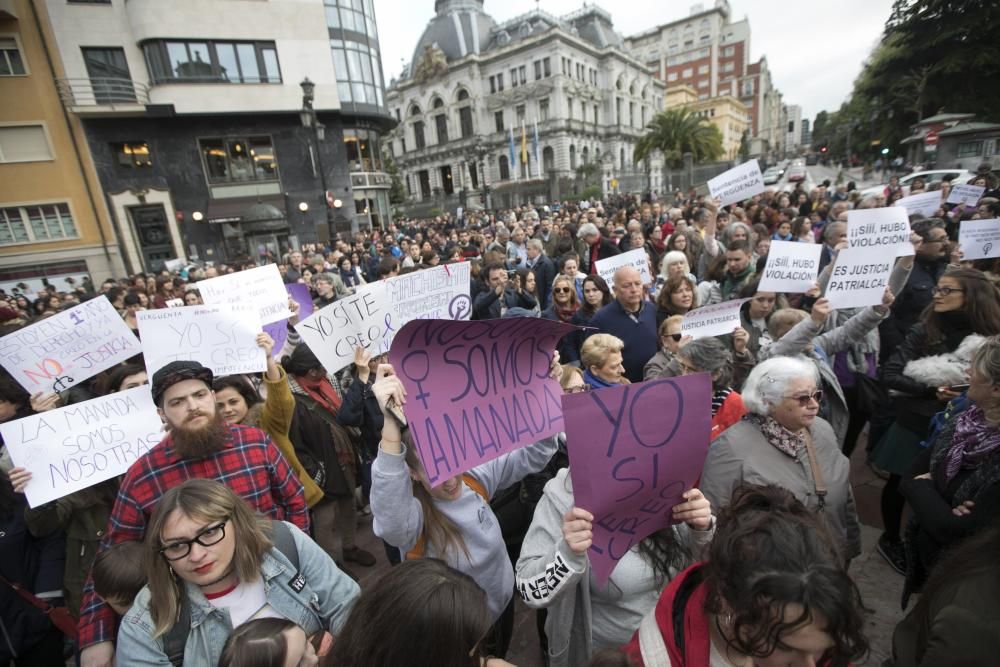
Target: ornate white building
{"x":475,"y":87}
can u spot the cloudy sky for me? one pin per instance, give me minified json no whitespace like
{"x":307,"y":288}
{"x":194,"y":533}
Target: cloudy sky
{"x":814,"y":49}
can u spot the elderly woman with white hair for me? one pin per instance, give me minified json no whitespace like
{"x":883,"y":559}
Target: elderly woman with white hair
{"x":783,"y":441}
{"x":674,"y":264}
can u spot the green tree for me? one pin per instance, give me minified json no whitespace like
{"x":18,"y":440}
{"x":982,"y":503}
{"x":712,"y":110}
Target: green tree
{"x":397,"y":192}
{"x":674,"y":132}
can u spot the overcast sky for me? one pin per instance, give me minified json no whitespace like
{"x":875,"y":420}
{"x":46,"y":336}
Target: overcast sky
{"x":814,"y":49}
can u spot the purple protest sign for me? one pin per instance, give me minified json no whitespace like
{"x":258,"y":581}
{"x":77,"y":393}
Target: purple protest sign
{"x":278,"y":331}
{"x":477,"y":390}
{"x":633,"y":450}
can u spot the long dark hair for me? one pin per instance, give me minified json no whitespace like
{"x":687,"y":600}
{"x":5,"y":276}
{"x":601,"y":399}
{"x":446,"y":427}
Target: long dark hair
{"x":606,"y":297}
{"x":421,"y":613}
{"x":981,"y":307}
{"x":769,"y":552}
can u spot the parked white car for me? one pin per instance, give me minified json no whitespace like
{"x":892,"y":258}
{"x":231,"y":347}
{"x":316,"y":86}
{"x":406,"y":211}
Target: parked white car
{"x":772,"y":176}
{"x":932,"y":176}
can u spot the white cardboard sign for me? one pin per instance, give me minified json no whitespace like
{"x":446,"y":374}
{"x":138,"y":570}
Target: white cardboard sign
{"x":979,"y":239}
{"x":637,"y":259}
{"x":738,"y":183}
{"x":792,"y":267}
{"x":71,"y":448}
{"x":965,"y":194}
{"x":885,"y":228}
{"x":925,"y":203}
{"x":262,"y":287}
{"x":715,"y":320}
{"x":371,"y":317}
{"x":859,"y":277}
{"x":63,"y":350}
{"x":222,"y":337}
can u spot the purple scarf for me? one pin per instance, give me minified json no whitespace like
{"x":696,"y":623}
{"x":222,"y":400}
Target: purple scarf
{"x":973,"y":441}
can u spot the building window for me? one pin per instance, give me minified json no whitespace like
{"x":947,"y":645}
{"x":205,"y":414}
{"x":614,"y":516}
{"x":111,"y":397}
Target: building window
{"x":748,"y":88}
{"x":504,"y":168}
{"x":353,"y":15}
{"x":596,"y":119}
{"x":547,"y":67}
{"x":672,"y":76}
{"x":359,"y":72}
{"x":519,"y":113}
{"x":703,"y":83}
{"x":631,"y":114}
{"x":498,"y":120}
{"x":29,"y":224}
{"x":687,"y":73}
{"x":239,"y":160}
{"x":970,"y":149}
{"x":521,"y":74}
{"x":513,"y":77}
{"x":702,"y":69}
{"x":493,"y":85}
{"x":728,"y":66}
{"x":499,"y":81}
{"x":132,"y":155}
{"x":441,"y":122}
{"x":618,"y":110}
{"x":24,"y":143}
{"x":538,"y":70}
{"x":465,"y":121}
{"x":729,"y":51}
{"x":543,"y":109}
{"x":418,"y":134}
{"x":11,"y":62}
{"x":212,"y":62}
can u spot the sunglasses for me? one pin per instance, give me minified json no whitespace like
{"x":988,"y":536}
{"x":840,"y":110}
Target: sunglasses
{"x":675,"y":337}
{"x":578,"y":390}
{"x":803,"y":399}
{"x":561,"y":290}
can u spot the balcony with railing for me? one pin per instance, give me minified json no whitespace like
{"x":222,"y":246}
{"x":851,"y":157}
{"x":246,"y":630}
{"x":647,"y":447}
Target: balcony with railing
{"x":103,"y":96}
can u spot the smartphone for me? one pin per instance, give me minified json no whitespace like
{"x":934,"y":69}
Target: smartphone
{"x":958,"y":388}
{"x":396,"y":412}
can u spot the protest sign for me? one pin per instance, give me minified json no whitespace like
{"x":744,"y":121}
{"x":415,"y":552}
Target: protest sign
{"x":715,"y":320}
{"x":222,"y":337}
{"x":791,"y":267}
{"x":979,"y":239}
{"x":69,"y":347}
{"x":371,"y":317}
{"x":965,"y":194}
{"x":262,"y":287}
{"x":885,"y":228}
{"x":859,"y":277}
{"x":633,"y":451}
{"x":924,"y":203}
{"x":71,"y":448}
{"x":477,"y":390}
{"x":637,"y":259}
{"x":738,"y":183}
{"x":278,"y":331}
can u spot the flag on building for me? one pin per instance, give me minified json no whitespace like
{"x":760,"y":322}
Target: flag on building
{"x":534,"y":147}
{"x":510,"y":151}
{"x":524,"y":149}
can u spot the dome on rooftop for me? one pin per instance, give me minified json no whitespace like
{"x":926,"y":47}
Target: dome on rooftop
{"x":459,"y":27}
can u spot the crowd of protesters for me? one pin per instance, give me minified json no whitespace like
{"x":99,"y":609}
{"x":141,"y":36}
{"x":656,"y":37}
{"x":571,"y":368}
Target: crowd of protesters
{"x":234,"y":540}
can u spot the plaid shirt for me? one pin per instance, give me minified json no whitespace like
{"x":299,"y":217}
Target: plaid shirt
{"x":248,"y":464}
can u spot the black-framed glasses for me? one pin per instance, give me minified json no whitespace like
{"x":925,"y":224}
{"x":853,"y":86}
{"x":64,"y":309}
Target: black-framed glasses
{"x":561,"y":290}
{"x":944,"y":291}
{"x":206,"y":537}
{"x":803,"y":399}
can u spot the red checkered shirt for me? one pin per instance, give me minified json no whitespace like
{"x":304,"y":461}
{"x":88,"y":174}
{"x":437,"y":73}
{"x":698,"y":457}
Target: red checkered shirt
{"x":249,"y":464}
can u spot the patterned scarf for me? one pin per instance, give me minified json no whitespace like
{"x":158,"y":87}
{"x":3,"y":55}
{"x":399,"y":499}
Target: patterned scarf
{"x":718,"y":398}
{"x":565,"y":313}
{"x":776,"y":434}
{"x":974,"y":440}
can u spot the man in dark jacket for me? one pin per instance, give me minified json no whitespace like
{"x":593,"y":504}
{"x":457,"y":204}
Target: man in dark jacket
{"x":632,"y":319}
{"x":492,"y":303}
{"x":326,"y":450}
{"x":597,"y":247}
{"x":544,"y":270}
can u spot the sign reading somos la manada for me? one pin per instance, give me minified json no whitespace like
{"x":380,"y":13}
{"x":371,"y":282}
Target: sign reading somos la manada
{"x":63,"y":350}
{"x":477,"y":390}
{"x":71,"y":448}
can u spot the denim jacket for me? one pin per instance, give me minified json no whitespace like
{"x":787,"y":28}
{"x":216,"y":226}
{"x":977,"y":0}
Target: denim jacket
{"x":323,"y":603}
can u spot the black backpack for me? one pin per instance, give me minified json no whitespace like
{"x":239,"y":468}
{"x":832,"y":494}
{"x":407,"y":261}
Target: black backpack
{"x":176,"y":637}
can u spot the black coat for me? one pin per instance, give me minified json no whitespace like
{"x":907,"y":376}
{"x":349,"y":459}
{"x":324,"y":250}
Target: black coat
{"x":910,"y":303}
{"x":605,"y":249}
{"x":360,"y":409}
{"x":545,"y":273}
{"x":312,"y":436}
{"x":487,"y":304}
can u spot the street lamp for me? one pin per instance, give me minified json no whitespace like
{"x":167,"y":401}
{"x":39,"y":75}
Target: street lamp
{"x":309,"y":121}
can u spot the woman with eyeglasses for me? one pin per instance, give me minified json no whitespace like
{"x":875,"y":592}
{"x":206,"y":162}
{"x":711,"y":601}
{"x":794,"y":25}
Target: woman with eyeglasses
{"x":783,"y":441}
{"x":663,"y":364}
{"x":563,"y":308}
{"x":712,"y":356}
{"x":965,"y":303}
{"x":213,"y":563}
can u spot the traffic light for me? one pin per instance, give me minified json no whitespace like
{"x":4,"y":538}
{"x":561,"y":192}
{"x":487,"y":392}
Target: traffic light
{"x":822,"y":149}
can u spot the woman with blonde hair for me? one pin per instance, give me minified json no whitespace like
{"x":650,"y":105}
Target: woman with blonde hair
{"x":211,"y":564}
{"x":601,"y":360}
{"x":563,"y":308}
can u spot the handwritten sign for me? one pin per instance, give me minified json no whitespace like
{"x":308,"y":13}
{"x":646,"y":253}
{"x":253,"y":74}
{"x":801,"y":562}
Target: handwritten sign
{"x":979,"y":239}
{"x":68,"y":348}
{"x":77,"y":446}
{"x":859,"y":277}
{"x":792,"y":267}
{"x":278,"y":331}
{"x":371,"y":317}
{"x":223,"y":338}
{"x":738,"y":183}
{"x":885,"y":228}
{"x":637,"y":259}
{"x":477,"y":390}
{"x":715,"y":320}
{"x":965,"y":194}
{"x":262,"y":287}
{"x":924,"y":203}
{"x":634,"y":450}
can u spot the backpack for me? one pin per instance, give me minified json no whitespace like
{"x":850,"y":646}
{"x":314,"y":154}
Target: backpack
{"x":176,"y":637}
{"x":418,"y":549}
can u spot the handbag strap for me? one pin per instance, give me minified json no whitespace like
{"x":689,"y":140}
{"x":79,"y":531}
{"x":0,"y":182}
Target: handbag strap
{"x":28,"y":597}
{"x":819,"y":484}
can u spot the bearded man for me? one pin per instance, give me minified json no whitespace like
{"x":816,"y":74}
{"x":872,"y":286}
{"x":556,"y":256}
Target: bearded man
{"x":198,"y":443}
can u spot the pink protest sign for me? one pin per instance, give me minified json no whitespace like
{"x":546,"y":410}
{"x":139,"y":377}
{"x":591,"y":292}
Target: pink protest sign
{"x":279,"y":330}
{"x":633,"y":451}
{"x":477,"y":390}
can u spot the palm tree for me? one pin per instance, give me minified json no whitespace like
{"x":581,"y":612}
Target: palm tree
{"x":676,"y":131}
